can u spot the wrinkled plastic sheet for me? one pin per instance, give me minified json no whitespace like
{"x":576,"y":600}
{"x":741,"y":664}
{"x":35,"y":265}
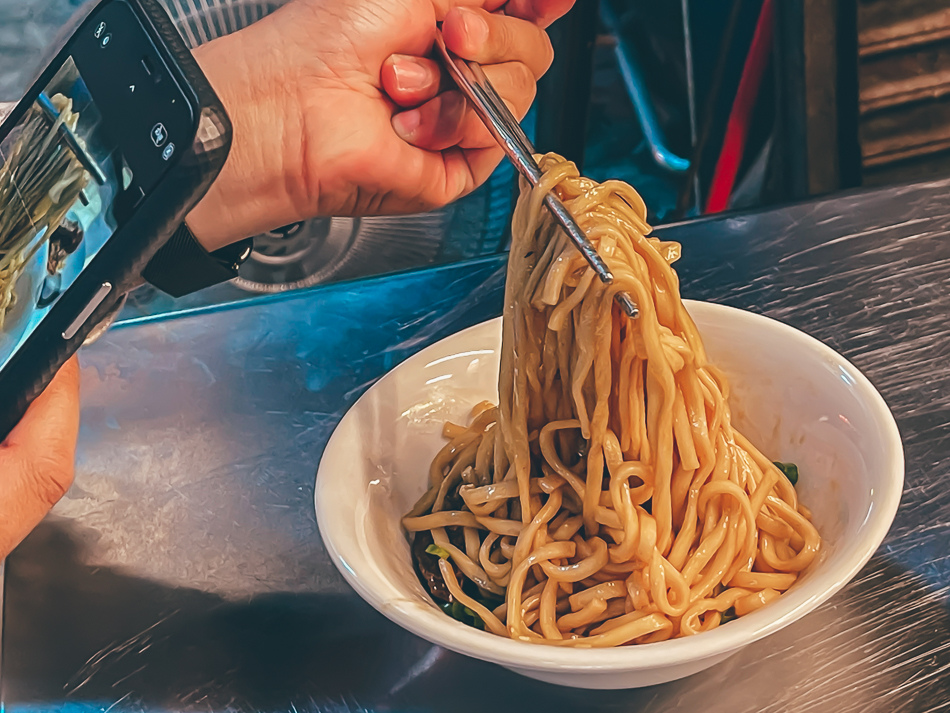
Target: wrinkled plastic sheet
{"x":184,"y":570}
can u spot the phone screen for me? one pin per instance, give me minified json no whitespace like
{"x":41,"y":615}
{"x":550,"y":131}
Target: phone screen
{"x":76,"y":159}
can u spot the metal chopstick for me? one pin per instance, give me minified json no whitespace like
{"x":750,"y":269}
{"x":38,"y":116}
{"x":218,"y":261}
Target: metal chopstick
{"x":493,"y":111}
{"x":84,"y":157}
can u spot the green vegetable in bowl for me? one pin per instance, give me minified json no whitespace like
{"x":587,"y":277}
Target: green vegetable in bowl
{"x":462,"y":613}
{"x":439,"y":552}
{"x":790,"y":470}
{"x":433,"y":581}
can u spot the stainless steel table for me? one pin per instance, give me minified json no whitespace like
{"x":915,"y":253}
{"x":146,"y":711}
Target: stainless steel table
{"x":184,"y":570}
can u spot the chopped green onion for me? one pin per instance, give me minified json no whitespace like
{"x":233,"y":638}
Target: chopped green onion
{"x":462,"y":613}
{"x":440,"y":552}
{"x":789,"y":470}
{"x":727,"y":616}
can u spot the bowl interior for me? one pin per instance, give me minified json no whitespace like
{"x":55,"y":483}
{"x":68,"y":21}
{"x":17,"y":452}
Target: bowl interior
{"x":796,"y":399}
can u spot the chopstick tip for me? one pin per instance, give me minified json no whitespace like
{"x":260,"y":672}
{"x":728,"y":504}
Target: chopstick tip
{"x":627,"y":305}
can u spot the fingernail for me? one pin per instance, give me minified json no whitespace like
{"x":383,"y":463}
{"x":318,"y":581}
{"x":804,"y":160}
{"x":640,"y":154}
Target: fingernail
{"x":476,"y":28}
{"x":406,"y":123}
{"x":409,"y":74}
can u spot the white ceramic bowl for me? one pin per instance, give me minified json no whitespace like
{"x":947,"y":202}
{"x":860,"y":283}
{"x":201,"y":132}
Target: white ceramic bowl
{"x":794,"y":397}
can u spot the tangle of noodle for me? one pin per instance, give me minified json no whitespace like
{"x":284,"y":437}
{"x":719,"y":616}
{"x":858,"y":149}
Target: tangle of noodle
{"x":607,"y":496}
{"x":40,"y":181}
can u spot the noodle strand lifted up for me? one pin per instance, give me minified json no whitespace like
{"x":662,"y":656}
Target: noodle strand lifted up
{"x":607,"y":499}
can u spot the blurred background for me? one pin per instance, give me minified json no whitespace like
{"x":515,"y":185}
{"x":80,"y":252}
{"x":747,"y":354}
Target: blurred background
{"x":702,"y":105}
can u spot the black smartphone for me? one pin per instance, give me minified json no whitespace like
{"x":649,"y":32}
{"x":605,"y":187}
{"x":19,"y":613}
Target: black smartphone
{"x":99,"y":163}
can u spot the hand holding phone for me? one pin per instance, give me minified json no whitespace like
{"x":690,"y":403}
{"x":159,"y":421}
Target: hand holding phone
{"x":99,"y":164}
{"x":36,"y":460}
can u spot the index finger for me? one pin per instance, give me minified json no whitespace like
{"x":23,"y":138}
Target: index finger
{"x":37,"y":458}
{"x":51,"y":423}
{"x":489,"y":38}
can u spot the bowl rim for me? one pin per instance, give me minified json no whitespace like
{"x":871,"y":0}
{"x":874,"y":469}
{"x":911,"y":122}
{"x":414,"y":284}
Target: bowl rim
{"x":434,"y":626}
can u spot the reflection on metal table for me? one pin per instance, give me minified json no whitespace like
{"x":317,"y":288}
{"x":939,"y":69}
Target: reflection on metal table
{"x":184,"y":571}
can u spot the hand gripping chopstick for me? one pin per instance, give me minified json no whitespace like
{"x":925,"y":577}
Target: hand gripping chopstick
{"x":493,"y":111}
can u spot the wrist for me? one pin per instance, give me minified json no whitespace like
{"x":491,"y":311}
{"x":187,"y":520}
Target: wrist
{"x":256,"y":188}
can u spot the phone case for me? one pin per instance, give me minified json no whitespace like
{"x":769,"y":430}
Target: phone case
{"x":124,"y":257}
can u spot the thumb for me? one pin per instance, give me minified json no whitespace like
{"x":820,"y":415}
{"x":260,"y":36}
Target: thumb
{"x":37,"y":458}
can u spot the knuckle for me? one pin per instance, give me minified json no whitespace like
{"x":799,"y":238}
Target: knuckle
{"x":523,"y":82}
{"x":48,"y":479}
{"x":546,"y":54}
{"x":503,"y":43}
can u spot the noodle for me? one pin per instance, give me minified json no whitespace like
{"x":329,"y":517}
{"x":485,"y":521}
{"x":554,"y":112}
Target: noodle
{"x":608,"y":494}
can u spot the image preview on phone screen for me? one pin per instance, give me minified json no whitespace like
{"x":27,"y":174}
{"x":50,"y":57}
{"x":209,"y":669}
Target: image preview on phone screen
{"x":59,"y":175}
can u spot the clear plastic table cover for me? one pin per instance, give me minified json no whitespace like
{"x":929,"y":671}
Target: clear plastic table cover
{"x":184,"y":571}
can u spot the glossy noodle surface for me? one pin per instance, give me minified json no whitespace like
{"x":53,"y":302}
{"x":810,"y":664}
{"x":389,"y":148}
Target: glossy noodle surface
{"x":607,"y":498}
